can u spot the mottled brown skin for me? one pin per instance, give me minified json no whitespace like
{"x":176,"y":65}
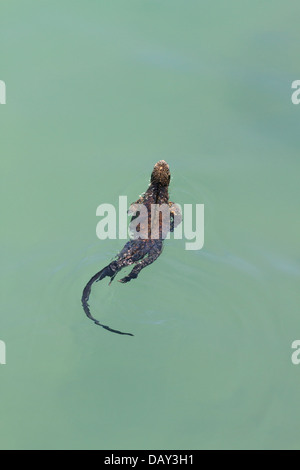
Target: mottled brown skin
{"x":142,"y":250}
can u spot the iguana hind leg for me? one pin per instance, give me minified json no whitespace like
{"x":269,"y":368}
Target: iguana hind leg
{"x":152,"y":255}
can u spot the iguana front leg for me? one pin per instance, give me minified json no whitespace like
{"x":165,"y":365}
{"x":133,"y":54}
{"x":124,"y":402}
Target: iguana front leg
{"x":176,"y":216}
{"x":134,"y":206}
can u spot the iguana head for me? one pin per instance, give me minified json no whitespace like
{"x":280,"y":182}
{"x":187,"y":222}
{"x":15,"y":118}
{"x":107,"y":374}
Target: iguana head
{"x":161,"y":173}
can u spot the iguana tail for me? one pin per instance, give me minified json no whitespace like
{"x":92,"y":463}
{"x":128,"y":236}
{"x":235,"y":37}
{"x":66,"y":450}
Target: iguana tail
{"x":86,"y":294}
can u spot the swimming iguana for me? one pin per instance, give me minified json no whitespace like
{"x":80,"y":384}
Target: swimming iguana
{"x":154,"y":216}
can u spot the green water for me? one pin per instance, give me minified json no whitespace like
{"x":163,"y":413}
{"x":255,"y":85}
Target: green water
{"x":97,"y":92}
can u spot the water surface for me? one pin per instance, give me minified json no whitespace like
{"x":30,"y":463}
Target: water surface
{"x":96,"y":94}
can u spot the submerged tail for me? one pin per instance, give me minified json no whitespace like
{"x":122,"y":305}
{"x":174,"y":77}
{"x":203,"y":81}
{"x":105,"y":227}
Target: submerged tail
{"x":85,"y":298}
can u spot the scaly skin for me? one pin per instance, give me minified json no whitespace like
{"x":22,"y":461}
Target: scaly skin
{"x":143,"y":249}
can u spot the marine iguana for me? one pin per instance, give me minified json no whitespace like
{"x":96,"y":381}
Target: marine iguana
{"x":154,"y":216}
